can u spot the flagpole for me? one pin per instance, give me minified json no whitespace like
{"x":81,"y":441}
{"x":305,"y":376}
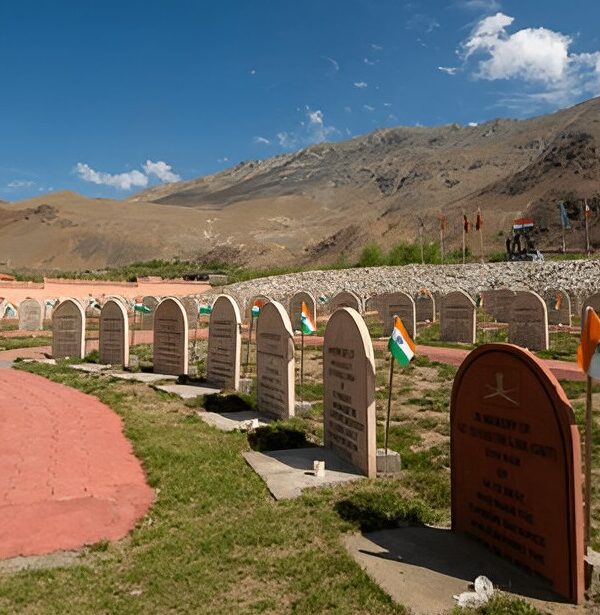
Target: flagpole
{"x":389,"y":411}
{"x":587,"y":229}
{"x":248,"y":347}
{"x":302,"y":368}
{"x":463,"y":236}
{"x":588,"y":459}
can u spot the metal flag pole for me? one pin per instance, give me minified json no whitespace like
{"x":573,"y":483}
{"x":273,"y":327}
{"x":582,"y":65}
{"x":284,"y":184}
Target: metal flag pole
{"x":464,"y":234}
{"x":302,"y":368}
{"x":247,"y":362}
{"x":389,"y":411}
{"x":586,"y":215}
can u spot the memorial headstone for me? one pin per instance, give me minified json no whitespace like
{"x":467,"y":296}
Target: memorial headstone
{"x":147,"y":320}
{"x":68,"y":330}
{"x":425,"y":307}
{"x":516,"y":465}
{"x":8,"y":310}
{"x":170,"y":338}
{"x":592,"y":301}
{"x":346,"y":299}
{"x":558,"y":304}
{"x":30,"y":315}
{"x":528,"y":322}
{"x":498,"y":303}
{"x":191,"y":309}
{"x":349,"y":391}
{"x":389,"y":305}
{"x":458,"y":318}
{"x":275,"y":364}
{"x":114,"y":334}
{"x":224,"y":344}
{"x":295,"y":308}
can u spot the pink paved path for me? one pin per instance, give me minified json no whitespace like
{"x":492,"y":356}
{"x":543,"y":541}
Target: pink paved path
{"x":68,"y":476}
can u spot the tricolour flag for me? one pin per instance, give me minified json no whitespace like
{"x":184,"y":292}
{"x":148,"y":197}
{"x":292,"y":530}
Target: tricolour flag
{"x":523,"y":224}
{"x":205,"y":309}
{"x":400,"y":344}
{"x":558,"y":301}
{"x":564,"y":217}
{"x":466,"y":223}
{"x":588,"y":210}
{"x":308,"y":326}
{"x":255,"y":311}
{"x":478,"y":221}
{"x":588,"y":353}
{"x":143,"y":309}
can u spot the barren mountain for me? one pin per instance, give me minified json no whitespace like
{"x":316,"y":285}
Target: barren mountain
{"x":328,"y":200}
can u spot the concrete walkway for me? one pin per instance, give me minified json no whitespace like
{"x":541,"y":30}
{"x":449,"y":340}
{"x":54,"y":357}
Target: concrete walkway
{"x":68,"y":476}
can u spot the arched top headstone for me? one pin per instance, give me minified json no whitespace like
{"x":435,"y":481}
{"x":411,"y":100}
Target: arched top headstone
{"x":516,"y":464}
{"x":275,"y":377}
{"x":68,"y":330}
{"x":498,"y":303}
{"x":592,"y":301}
{"x":390,"y":305}
{"x":528,"y":322}
{"x":224,"y":344}
{"x":349,"y":390}
{"x":295,"y":308}
{"x":558,"y":305}
{"x":8,"y":310}
{"x":458,"y":318}
{"x":425,"y":306}
{"x":114,"y":333}
{"x":346,"y":298}
{"x":170,"y":338}
{"x":31,"y":315}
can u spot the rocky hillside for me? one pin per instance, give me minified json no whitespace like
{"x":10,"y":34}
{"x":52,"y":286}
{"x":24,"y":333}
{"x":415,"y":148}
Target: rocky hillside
{"x":328,"y":200}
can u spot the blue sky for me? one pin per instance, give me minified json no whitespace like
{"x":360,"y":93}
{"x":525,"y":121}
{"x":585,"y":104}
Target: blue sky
{"x":109,"y":97}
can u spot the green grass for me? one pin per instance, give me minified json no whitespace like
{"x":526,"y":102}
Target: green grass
{"x":214,"y":541}
{"x":13,"y":343}
{"x":563,"y":346}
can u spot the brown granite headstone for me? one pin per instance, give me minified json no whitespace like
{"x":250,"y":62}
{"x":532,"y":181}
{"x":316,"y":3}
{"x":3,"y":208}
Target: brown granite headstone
{"x":458,"y":318}
{"x":30,"y":315}
{"x":114,"y":333}
{"x":528,"y":323}
{"x":516,"y":464}
{"x":295,"y":308}
{"x":558,"y":304}
{"x":224,"y":344}
{"x":346,"y":299}
{"x":147,"y":320}
{"x":349,"y":391}
{"x":389,"y":305}
{"x":498,"y":303}
{"x":592,"y":301}
{"x":425,"y":307}
{"x":170,"y":338}
{"x":68,"y":330}
{"x":275,"y":365}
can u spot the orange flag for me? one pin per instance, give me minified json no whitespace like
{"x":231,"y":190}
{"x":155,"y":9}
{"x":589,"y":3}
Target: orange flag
{"x":587,"y":355}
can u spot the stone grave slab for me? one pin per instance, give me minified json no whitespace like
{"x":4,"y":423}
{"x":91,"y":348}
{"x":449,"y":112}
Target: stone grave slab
{"x":516,"y":465}
{"x":144,"y":377}
{"x":68,"y":330}
{"x":232,"y":421}
{"x":295,"y":308}
{"x":31,"y":315}
{"x":558,"y":305}
{"x":458,"y":318}
{"x":419,"y":568}
{"x":170,"y":338}
{"x":346,"y":298}
{"x":275,"y":362}
{"x":425,"y":307}
{"x":349,"y":391}
{"x":186,"y":391}
{"x":91,"y":368}
{"x":498,"y":303}
{"x":114,"y":334}
{"x":528,"y":322}
{"x":398,"y":304}
{"x":224,"y":344}
{"x":287,"y":473}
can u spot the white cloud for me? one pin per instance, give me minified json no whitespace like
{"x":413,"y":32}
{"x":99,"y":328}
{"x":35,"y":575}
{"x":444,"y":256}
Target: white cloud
{"x":387,"y":104}
{"x":484,"y":6}
{"x":472,"y":124}
{"x":376,"y":47}
{"x":370,"y":62}
{"x":333,"y":63}
{"x":222,"y":160}
{"x":422,"y":23}
{"x":317,"y":130}
{"x":162,"y":170}
{"x":449,"y":70}
{"x":361,"y":85}
{"x":253,"y":71}
{"x":17,"y":184}
{"x":262,"y":140}
{"x":537,"y":56}
{"x":369,"y":108}
{"x":285,"y":139}
{"x":122,"y":181}
{"x":348,"y":109}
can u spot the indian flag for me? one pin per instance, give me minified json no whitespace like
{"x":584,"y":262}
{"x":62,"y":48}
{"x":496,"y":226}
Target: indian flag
{"x":308,"y":326}
{"x":400,"y":344}
{"x":140,"y":307}
{"x":205,"y":309}
{"x":255,"y":311}
{"x":588,"y":353}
